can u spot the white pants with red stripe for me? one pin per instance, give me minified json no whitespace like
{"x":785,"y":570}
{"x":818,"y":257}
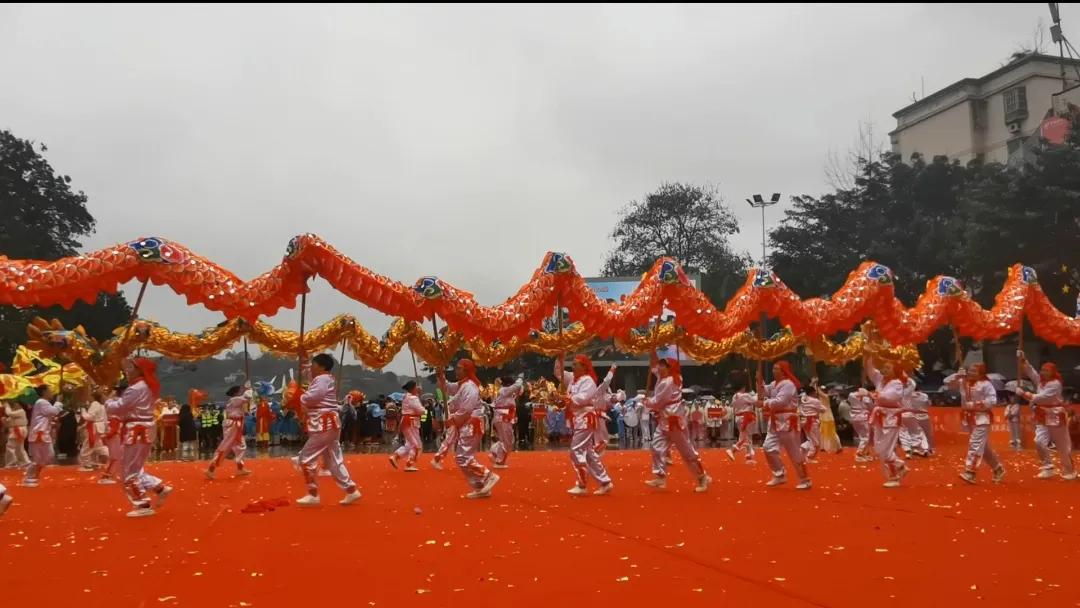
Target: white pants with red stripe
{"x":813,"y":438}
{"x":137,"y":482}
{"x":979,"y":449}
{"x":115,"y":448}
{"x":412,"y":447}
{"x":233,"y":441}
{"x":465,"y":451}
{"x":41,"y":455}
{"x":501,"y":449}
{"x":1059,"y":434}
{"x":325,"y":445}
{"x":746,"y":437}
{"x":789,"y":442}
{"x":662,"y":442}
{"x":885,"y":440}
{"x":15,"y":451}
{"x":584,"y":458}
{"x":927,"y":426}
{"x":92,"y":454}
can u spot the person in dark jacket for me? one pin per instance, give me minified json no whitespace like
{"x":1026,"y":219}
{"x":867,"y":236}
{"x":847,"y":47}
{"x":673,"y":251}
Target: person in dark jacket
{"x":187,"y":433}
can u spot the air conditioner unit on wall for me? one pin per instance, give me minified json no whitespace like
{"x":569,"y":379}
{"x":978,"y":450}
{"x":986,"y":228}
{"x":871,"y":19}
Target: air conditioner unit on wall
{"x":1014,"y":127}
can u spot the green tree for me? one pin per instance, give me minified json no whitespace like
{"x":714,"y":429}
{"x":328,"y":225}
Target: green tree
{"x":43,"y":219}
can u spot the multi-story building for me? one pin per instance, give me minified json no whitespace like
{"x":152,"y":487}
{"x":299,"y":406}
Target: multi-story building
{"x":995,"y":118}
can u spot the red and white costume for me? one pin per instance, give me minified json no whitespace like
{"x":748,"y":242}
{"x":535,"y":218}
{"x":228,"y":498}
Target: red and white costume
{"x":92,"y":451}
{"x":411,"y":411}
{"x":976,"y":399}
{"x":885,"y":421}
{"x":1050,"y":423}
{"x":505,"y":406}
{"x":743,"y":408}
{"x":810,"y":411}
{"x":584,"y":394}
{"x":319,"y":403}
{"x":17,"y":424}
{"x":861,"y":402}
{"x":113,"y":438}
{"x":232,"y":439}
{"x":136,"y":408}
{"x":41,"y":438}
{"x":669,"y":409}
{"x":913,"y":437}
{"x":781,"y":408}
{"x":465,"y":408}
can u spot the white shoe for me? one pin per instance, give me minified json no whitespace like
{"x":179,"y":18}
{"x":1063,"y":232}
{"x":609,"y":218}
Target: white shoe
{"x":393,"y":461}
{"x":750,"y":461}
{"x":968,"y":477}
{"x":350,"y":498}
{"x":411,"y":469}
{"x":243,"y":472}
{"x":489,"y":484}
{"x":657,"y":482}
{"x":435,"y":464}
{"x":804,"y":485}
{"x":776,"y":481}
{"x":999,"y":474}
{"x":29,"y":484}
{"x":87,"y":469}
{"x":209,"y":474}
{"x":106,"y":481}
{"x":903,"y":472}
{"x":295,"y":460}
{"x":703,"y":484}
{"x":604,"y":489}
{"x":325,"y":473}
{"x":1069,"y":476}
{"x":577,"y":491}
{"x":164,"y":494}
{"x":140,"y":512}
{"x":1046,"y":474}
{"x":730,"y":454}
{"x":308,"y":501}
{"x":5,"y":502}
{"x":498,"y":465}
{"x":892,"y":483}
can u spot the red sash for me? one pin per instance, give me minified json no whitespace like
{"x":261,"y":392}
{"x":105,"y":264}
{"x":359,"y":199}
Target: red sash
{"x":511,"y":415}
{"x":19,"y":433}
{"x":408,"y":420}
{"x":747,"y":418}
{"x":39,"y":437}
{"x":116,"y":427}
{"x":91,"y":433}
{"x":674,"y":422}
{"x":808,"y":423}
{"x":140,"y":435}
{"x":329,"y":421}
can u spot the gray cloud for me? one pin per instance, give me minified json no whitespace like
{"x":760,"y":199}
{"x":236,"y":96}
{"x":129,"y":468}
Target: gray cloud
{"x":457,"y":141}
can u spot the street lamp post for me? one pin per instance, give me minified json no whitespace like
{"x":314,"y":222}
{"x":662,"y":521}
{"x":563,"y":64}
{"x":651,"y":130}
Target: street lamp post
{"x":759,"y":202}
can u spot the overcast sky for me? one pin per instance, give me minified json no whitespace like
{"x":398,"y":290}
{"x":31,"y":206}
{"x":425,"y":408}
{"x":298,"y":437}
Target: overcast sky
{"x":463,"y":142}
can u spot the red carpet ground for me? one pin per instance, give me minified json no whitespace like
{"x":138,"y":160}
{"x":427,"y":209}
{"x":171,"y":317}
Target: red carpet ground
{"x":415,"y":541}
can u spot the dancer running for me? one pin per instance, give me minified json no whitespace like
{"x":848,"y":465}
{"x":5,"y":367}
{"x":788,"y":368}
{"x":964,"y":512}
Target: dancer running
{"x":136,"y":408}
{"x":780,"y":400}
{"x":505,"y":406}
{"x":584,"y":390}
{"x":861,"y":402}
{"x":885,"y":417}
{"x":667,"y":404}
{"x":92,"y":452}
{"x":41,"y":436}
{"x":411,"y":411}
{"x":113,"y":440}
{"x":977,"y":396}
{"x":742,"y":405}
{"x":465,"y":407}
{"x":810,"y":411}
{"x":233,"y":440}
{"x":1050,"y":418}
{"x":320,"y":407}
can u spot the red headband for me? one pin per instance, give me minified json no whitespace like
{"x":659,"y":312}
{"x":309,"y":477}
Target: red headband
{"x":675,"y":369}
{"x":148,"y":369}
{"x":1053,"y":371}
{"x":786,"y":374}
{"x":469,"y":369}
{"x":586,"y":363}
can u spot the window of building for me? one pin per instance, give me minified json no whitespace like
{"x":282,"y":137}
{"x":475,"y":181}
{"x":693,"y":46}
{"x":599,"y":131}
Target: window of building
{"x":1016,"y":109}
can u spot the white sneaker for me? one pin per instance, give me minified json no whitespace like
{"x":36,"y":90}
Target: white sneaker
{"x":730,"y":454}
{"x":1046,"y":474}
{"x":499,"y":465}
{"x":703,"y":484}
{"x":1069,"y":476}
{"x":776,"y":481}
{"x":411,"y":469}
{"x":5,"y":502}
{"x":435,"y":464}
{"x":349,"y":498}
{"x":750,"y":461}
{"x":140,"y":512}
{"x":308,"y":501}
{"x":208,"y":474}
{"x":29,"y":484}
{"x":804,"y":485}
{"x":968,"y":477}
{"x":489,"y":484}
{"x":85,"y":469}
{"x":892,"y":483}
{"x":657,"y":482}
{"x":164,"y":494}
{"x":577,"y":491}
{"x":106,"y":481}
{"x":604,"y":489}
{"x":325,"y":473}
{"x":243,"y":472}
